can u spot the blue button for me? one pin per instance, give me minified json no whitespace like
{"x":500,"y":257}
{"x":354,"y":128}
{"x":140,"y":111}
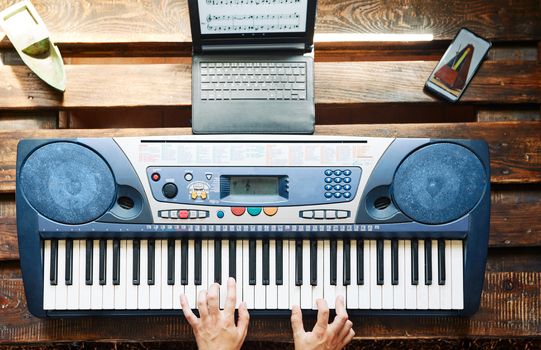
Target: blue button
{"x":347,"y":187}
{"x":337,"y":187}
{"x":347,"y":172}
{"x":328,"y":172}
{"x":328,"y":180}
{"x":328,"y":187}
{"x":328,"y":194}
{"x":347,"y":180}
{"x":338,"y":194}
{"x":347,"y":195}
{"x":254,"y":211}
{"x":220,"y":214}
{"x":338,"y":172}
{"x":337,"y":179}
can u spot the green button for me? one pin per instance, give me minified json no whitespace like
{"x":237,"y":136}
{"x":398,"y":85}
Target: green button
{"x":254,"y":211}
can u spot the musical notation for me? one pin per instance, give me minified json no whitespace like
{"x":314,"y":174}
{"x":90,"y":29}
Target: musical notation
{"x":257,"y":23}
{"x":250,"y":2}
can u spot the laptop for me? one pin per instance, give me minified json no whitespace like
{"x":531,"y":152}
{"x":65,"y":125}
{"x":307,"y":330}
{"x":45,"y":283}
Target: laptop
{"x":253,"y":67}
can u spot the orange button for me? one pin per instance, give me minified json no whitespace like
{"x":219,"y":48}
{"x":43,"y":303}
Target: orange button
{"x":238,"y":211}
{"x":183,"y":214}
{"x":270,"y":211}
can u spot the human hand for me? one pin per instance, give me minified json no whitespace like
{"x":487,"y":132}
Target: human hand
{"x":324,"y":336}
{"x":216,"y":329}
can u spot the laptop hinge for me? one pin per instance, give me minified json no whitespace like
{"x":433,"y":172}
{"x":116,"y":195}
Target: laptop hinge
{"x":298,"y":47}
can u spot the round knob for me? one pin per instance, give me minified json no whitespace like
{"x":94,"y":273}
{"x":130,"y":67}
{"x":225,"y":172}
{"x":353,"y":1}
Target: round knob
{"x":169,"y":190}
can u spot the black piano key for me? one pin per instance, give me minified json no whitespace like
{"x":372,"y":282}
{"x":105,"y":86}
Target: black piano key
{"x":184,"y":262}
{"x":103,"y":261}
{"x":170,"y":262}
{"x":298,"y":262}
{"x":198,"y":262}
{"x":233,"y":258}
{"x":218,"y":261}
{"x":116,"y":262}
{"x":347,"y":262}
{"x":53,"y":277}
{"x":251,"y":262}
{"x":69,"y":262}
{"x":360,"y":262}
{"x":394,"y":262}
{"x":151,"y":259}
{"x":428,"y":262}
{"x":313,"y":262}
{"x":415,"y":262}
{"x":266,"y":263}
{"x":441,"y":262}
{"x":333,"y":263}
{"x":89,"y":261}
{"x":136,"y":262}
{"x":379,"y":262}
{"x":279,"y":262}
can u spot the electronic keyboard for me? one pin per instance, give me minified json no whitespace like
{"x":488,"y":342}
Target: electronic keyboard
{"x":123,"y":226}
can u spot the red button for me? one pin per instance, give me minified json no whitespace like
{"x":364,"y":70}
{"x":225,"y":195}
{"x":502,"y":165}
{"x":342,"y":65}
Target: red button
{"x":238,"y":211}
{"x":155,"y":176}
{"x":183,"y":214}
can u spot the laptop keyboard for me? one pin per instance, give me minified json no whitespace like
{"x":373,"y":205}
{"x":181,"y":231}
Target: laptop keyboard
{"x":253,"y":80}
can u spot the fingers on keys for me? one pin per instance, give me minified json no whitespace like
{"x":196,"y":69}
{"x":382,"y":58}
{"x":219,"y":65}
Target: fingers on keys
{"x":244,"y":319}
{"x":188,"y":313}
{"x":296,"y":320}
{"x":322,"y":316}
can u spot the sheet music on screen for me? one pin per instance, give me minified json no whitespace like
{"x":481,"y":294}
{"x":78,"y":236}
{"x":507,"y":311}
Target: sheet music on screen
{"x":252,"y":16}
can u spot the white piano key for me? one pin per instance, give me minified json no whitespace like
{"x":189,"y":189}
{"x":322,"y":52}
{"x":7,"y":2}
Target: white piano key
{"x":457,"y":275}
{"x":399,"y":291}
{"x":131,"y":289}
{"x":271,"y":291}
{"x":306,"y":288}
{"x":294,"y":290}
{"x":77,"y":281}
{"x":204,"y":269}
{"x":178,"y":288}
{"x":85,"y":291}
{"x":446,"y":293}
{"x":61,"y":302}
{"x":353,"y":288}
{"x":189,"y":289}
{"x":120,"y":289}
{"x":247,"y":289}
{"x":410,"y":290}
{"x":387,"y":288}
{"x":97,"y":289}
{"x":225,"y":272}
{"x":239,"y":271}
{"x":329,"y":291}
{"x":283,"y":290}
{"x":143,"y":291}
{"x":155,"y":289}
{"x":108,"y":301}
{"x":434,"y":288}
{"x":317,"y":290}
{"x":422,"y":288}
{"x":259,"y":289}
{"x":364,"y":289}
{"x":375,"y":289}
{"x":340,"y":288}
{"x":167,"y":289}
{"x":49,"y":292}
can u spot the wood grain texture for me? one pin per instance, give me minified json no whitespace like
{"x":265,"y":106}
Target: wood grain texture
{"x":515,"y":147}
{"x":510,"y":306}
{"x":28,"y":120}
{"x":336,"y":83}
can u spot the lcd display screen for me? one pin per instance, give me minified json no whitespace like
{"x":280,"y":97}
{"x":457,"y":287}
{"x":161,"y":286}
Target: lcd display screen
{"x":254,"y":185}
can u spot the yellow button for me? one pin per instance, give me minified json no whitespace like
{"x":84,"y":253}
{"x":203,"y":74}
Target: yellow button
{"x":270,"y":211}
{"x":194,"y":195}
{"x":203,"y":195}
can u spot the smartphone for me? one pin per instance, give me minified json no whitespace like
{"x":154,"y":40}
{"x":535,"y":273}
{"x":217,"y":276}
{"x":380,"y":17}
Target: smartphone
{"x":458,"y":65}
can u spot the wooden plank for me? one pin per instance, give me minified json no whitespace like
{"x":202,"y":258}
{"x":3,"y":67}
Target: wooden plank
{"x":337,"y":83}
{"x":491,"y":115}
{"x":28,"y":120}
{"x":145,"y":27}
{"x":510,"y":307}
{"x":515,"y":146}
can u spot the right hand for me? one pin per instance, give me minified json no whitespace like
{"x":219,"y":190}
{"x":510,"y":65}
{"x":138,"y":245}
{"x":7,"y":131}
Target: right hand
{"x":324,"y":336}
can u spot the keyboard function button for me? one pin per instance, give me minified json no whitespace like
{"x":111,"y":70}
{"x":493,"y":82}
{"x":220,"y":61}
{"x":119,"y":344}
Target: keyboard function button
{"x":328,"y":172}
{"x":254,"y":211}
{"x":328,"y":187}
{"x":307,"y":214}
{"x":328,"y":194}
{"x":188,"y":177}
{"x":337,"y":195}
{"x":183,"y":214}
{"x":337,"y":187}
{"x":347,"y":180}
{"x":330,"y":214}
{"x":338,"y":172}
{"x":347,"y":195}
{"x":155,"y":177}
{"x":270,"y":211}
{"x":347,"y":187}
{"x":337,"y":179}
{"x":220,"y":214}
{"x":319,"y":214}
{"x":347,"y":172}
{"x":238,"y":211}
{"x":328,"y":180}
{"x":169,"y":190}
{"x":342,"y":214}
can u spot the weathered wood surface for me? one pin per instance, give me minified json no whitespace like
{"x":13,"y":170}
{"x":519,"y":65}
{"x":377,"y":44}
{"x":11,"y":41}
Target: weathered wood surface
{"x":336,"y":83}
{"x":84,"y":27}
{"x":511,"y":306}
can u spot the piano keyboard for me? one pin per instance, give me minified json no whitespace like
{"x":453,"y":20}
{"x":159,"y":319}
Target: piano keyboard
{"x":115,"y":274}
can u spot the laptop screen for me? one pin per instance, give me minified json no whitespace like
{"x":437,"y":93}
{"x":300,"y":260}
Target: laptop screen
{"x":252,"y":16}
